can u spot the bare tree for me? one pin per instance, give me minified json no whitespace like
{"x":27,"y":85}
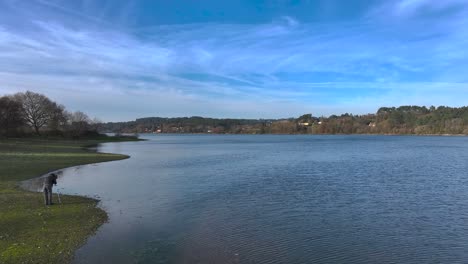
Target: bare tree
{"x":96,"y":124}
{"x":58,"y":117}
{"x":79,"y":123}
{"x":38,"y":110}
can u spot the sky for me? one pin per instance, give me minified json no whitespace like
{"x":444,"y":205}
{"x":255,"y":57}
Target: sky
{"x":119,"y":60}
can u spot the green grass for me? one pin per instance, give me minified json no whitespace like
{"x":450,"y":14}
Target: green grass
{"x":31,"y":232}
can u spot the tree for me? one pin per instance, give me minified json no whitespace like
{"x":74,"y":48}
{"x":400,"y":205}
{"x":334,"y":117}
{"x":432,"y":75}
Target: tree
{"x":10,"y":116}
{"x":58,"y":117}
{"x":307,"y":118}
{"x":38,"y":110}
{"x":79,"y":123}
{"x":95,"y":124}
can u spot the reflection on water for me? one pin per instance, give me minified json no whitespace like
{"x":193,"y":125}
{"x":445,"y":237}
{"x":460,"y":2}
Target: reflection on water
{"x":279,"y":199}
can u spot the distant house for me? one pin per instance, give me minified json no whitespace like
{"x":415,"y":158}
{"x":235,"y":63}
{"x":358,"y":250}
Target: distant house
{"x":371,"y":124}
{"x":320,"y":122}
{"x":304,"y":124}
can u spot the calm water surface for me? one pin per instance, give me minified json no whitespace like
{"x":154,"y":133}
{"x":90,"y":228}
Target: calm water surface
{"x":279,"y":199}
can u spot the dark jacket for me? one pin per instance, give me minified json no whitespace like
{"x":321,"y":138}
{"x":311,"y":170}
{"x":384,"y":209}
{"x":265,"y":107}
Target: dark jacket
{"x":51,"y":179}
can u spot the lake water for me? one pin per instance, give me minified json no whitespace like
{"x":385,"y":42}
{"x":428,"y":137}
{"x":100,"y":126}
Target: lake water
{"x":279,"y":199}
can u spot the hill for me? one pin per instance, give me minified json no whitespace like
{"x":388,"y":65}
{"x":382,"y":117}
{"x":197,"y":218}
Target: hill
{"x":418,"y":120}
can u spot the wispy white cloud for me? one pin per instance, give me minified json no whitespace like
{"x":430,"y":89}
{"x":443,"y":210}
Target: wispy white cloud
{"x":277,"y":69}
{"x":407,"y":9}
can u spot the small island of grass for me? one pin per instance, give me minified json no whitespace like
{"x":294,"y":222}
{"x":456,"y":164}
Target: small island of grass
{"x":31,"y":232}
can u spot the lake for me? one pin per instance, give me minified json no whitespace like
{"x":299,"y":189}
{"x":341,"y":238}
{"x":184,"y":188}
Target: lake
{"x":279,"y":199}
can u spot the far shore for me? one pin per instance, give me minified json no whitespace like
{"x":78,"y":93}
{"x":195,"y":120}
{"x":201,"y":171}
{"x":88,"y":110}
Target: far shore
{"x":337,"y":134}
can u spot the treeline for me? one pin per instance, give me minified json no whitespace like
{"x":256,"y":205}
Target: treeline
{"x":418,"y":120}
{"x":29,"y":113}
{"x":193,"y":124}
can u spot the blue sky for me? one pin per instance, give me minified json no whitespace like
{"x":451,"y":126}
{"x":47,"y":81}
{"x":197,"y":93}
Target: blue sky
{"x":120,"y":60}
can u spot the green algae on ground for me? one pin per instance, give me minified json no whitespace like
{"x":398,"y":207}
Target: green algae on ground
{"x":29,"y":231}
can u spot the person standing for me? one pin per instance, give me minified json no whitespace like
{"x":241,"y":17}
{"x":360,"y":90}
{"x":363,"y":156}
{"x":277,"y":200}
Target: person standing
{"x":49,"y":181}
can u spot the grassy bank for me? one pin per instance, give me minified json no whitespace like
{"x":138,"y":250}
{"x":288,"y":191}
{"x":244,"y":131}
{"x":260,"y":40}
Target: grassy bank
{"x":30,"y":232}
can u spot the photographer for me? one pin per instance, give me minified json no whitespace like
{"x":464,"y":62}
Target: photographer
{"x":49,"y":181}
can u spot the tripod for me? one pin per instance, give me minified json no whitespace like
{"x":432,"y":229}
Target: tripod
{"x":58,"y":196}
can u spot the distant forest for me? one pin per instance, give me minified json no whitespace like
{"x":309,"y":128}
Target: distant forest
{"x":414,"y":120}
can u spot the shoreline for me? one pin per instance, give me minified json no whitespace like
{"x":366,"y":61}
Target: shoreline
{"x":31,"y":232}
{"x":22,"y":186}
{"x":278,"y":134}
